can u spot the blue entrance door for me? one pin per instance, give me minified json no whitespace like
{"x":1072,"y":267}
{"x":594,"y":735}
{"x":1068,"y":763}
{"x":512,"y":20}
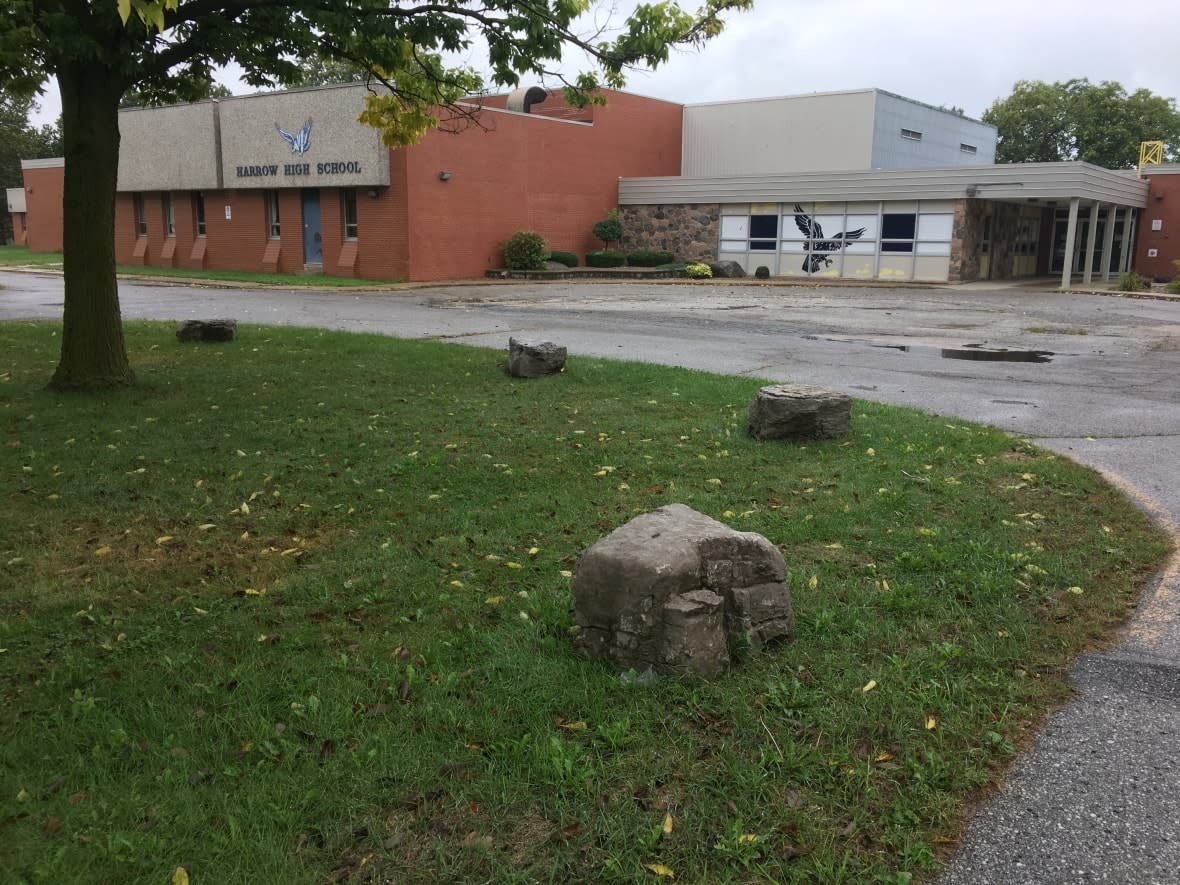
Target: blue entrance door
{"x":313,"y":243}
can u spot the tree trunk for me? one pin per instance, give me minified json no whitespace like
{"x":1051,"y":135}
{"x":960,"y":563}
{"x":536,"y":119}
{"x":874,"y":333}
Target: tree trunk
{"x":93,"y":353}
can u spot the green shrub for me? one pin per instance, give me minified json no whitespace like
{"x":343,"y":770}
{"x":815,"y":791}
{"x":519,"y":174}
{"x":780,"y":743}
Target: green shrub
{"x":610,"y":229}
{"x":569,"y":259}
{"x":1173,"y":285}
{"x":699,"y":271}
{"x":1132,"y":282}
{"x":525,"y":250}
{"x":605,"y":258}
{"x":762,"y":272}
{"x":649,"y":258}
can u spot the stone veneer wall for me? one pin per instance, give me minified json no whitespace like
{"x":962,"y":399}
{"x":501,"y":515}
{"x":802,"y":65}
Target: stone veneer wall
{"x":691,"y":231}
{"x":965,"y":238}
{"x":1005,"y":221}
{"x":967,"y":235}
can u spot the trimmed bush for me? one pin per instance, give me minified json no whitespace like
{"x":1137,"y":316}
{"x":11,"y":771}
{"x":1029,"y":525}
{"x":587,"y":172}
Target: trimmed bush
{"x":762,"y":272}
{"x":649,"y":258}
{"x":610,"y":229}
{"x":605,"y":258}
{"x":525,"y":250}
{"x":699,"y":271}
{"x":569,"y":259}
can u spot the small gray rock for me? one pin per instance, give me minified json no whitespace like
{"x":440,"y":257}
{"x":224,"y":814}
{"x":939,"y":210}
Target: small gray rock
{"x":527,"y":359}
{"x":207,"y":330}
{"x":799,"y":411}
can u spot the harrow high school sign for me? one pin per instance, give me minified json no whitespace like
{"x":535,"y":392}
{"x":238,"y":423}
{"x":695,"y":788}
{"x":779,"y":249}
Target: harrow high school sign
{"x":300,"y":143}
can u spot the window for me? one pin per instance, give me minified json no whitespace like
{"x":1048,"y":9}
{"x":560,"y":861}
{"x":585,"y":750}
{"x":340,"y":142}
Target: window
{"x":1027,"y":234}
{"x":911,"y":134}
{"x":968,"y":148}
{"x":140,"y":216}
{"x":898,"y":227}
{"x":350,"y":224}
{"x":764,"y":232}
{"x":199,"y":210}
{"x":169,"y":215}
{"x":272,"y":213}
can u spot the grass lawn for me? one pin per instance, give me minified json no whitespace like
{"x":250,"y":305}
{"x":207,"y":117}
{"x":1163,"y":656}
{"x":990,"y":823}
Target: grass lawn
{"x":297,"y":609}
{"x":20,"y":255}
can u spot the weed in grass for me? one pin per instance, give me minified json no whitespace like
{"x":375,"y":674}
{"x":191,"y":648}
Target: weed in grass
{"x":284,"y":625}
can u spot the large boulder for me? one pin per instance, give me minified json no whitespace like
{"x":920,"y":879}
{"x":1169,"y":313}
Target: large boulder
{"x":799,"y":411}
{"x":534,"y":359}
{"x":727,"y":269}
{"x":670,"y":589}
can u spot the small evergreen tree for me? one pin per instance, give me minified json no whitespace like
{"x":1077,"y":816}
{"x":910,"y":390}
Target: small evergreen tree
{"x":610,"y":229}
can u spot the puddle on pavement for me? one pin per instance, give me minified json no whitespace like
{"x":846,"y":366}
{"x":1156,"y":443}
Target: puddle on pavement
{"x":977,"y":352}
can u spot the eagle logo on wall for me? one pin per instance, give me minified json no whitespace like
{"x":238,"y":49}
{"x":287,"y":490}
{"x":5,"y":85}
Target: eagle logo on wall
{"x":301,"y":141}
{"x":818,"y":248}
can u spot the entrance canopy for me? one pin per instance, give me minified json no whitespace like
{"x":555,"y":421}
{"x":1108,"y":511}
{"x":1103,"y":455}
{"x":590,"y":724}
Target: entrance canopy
{"x":1080,"y":187}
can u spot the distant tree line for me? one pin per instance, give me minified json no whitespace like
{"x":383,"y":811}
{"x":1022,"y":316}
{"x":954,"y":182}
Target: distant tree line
{"x":1098,"y":123}
{"x":21,"y":141}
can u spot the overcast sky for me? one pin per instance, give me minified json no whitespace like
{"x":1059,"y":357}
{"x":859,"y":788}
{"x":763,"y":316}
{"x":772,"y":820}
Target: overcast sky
{"x":965,"y":54}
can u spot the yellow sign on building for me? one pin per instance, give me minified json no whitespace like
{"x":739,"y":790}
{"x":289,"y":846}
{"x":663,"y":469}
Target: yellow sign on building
{"x":1151,"y":153}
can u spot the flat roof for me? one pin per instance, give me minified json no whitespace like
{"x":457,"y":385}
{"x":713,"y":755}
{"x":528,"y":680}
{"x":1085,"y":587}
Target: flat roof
{"x":1009,"y":182}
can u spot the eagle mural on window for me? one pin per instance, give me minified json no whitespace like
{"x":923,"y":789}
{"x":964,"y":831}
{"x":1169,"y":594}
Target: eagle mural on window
{"x":817,"y":247}
{"x":301,"y":141}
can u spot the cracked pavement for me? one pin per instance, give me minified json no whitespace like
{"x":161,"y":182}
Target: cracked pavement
{"x":1097,"y":798}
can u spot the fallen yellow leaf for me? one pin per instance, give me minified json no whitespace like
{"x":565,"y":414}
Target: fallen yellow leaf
{"x":163,"y":539}
{"x":180,"y":877}
{"x":458,"y":584}
{"x":931,"y":723}
{"x":660,"y":870}
{"x":746,"y":838}
{"x":869,"y":686}
{"x":666,"y":829}
{"x":514,"y":565}
{"x":572,"y":726}
{"x":104,"y":550}
{"x":813,"y":583}
{"x":494,"y":600}
{"x":204,"y":527}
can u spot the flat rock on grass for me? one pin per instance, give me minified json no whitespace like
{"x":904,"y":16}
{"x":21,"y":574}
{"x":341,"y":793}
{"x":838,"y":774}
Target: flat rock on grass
{"x":207,"y":330}
{"x":799,"y":411}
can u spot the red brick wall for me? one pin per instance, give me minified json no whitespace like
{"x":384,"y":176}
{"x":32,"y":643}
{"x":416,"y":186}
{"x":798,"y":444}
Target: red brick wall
{"x":1163,"y":203}
{"x":525,"y":173}
{"x":518,"y":173}
{"x":43,"y":194}
{"x":19,"y":234}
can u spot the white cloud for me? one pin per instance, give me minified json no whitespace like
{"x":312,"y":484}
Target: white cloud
{"x":966,"y":54}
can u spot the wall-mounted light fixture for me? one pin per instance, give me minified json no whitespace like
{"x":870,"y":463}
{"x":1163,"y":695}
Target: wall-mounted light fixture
{"x":373,"y":192}
{"x":444,"y":175}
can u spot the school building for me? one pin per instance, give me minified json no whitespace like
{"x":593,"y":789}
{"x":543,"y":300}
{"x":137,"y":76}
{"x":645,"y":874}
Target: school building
{"x":857,"y":185}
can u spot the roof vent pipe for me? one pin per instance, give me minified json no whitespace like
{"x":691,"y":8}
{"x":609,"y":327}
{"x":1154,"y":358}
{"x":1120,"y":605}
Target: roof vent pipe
{"x":522,"y":99}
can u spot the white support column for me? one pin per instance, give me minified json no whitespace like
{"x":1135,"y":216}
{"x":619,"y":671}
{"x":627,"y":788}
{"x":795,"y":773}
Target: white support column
{"x":1091,"y":236}
{"x":1071,"y":236}
{"x":1108,"y":240}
